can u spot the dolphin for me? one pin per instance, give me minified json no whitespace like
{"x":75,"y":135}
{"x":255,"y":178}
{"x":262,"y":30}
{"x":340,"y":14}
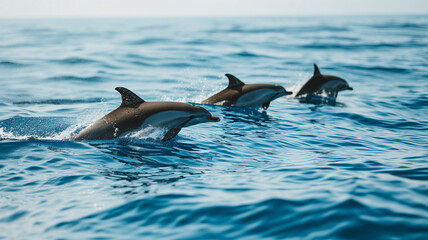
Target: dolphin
{"x":135,"y":113}
{"x":239,"y":94}
{"x":319,"y":85}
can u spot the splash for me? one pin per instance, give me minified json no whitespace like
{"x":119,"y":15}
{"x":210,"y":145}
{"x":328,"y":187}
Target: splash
{"x":302,"y":79}
{"x":55,"y":130}
{"x":197,"y":88}
{"x":148,"y":132}
{"x":5,"y":135}
{"x":47,"y":128}
{"x":295,"y":89}
{"x":10,"y":135}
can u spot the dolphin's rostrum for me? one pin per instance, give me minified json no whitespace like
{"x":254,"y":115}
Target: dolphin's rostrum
{"x":323,"y":85}
{"x":239,"y":94}
{"x":135,"y":113}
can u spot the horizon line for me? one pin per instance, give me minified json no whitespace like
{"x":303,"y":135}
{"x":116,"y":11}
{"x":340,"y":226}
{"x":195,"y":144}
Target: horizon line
{"x":217,"y":16}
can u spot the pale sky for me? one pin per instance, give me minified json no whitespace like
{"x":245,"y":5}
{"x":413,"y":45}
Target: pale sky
{"x":195,"y":8}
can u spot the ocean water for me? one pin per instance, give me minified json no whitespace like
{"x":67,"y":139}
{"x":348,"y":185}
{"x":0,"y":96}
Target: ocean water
{"x":355,"y":170}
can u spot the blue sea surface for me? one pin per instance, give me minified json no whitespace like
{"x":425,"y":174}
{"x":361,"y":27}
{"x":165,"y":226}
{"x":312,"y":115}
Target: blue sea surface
{"x":355,"y":170}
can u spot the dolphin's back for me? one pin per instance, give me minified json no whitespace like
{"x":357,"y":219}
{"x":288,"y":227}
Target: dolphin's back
{"x":320,"y":84}
{"x":110,"y":126}
{"x":134,"y":113}
{"x":226,"y":96}
{"x":127,"y":118}
{"x":229,"y":96}
{"x":313,"y":85}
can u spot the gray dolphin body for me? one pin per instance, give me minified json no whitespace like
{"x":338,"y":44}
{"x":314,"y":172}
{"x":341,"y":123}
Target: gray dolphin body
{"x":135,"y":113}
{"x":319,"y":85}
{"x":239,"y":94}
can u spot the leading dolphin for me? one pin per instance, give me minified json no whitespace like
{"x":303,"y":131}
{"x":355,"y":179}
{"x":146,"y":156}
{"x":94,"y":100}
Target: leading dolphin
{"x":135,"y":113}
{"x":239,"y":94}
{"x":320,"y":85}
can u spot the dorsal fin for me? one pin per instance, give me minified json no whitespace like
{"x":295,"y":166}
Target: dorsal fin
{"x":234,"y":81}
{"x":316,"y":70}
{"x":128,"y":97}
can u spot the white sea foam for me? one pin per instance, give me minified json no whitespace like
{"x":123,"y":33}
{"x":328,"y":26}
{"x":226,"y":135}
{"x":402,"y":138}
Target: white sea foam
{"x":148,"y":132}
{"x":13,"y":136}
{"x":82,"y":121}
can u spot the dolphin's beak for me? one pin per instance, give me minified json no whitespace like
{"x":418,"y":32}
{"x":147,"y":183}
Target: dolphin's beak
{"x":214,"y":119}
{"x":349,"y":88}
{"x":282,"y":93}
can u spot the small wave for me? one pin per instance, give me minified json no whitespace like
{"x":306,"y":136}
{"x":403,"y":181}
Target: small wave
{"x":258,"y":30}
{"x":139,"y":57}
{"x":69,"y":179}
{"x":407,"y":25}
{"x":14,"y":217}
{"x":420,"y":102}
{"x":153,"y":26}
{"x":201,"y":42}
{"x":319,"y":28}
{"x":285,"y":29}
{"x":345,"y":38}
{"x":378,"y":68}
{"x":249,"y":54}
{"x":11,"y":64}
{"x":354,"y":46}
{"x":46,"y":128}
{"x":176,"y":65}
{"x":414,"y":174}
{"x":168,"y":81}
{"x":61,"y":101}
{"x":36,"y":30}
{"x":238,"y":29}
{"x":141,"y":63}
{"x":75,"y":78}
{"x":391,"y":124}
{"x":74,"y":60}
{"x":24,"y":128}
{"x":413,"y":25}
{"x":18,"y":45}
{"x":147,"y":41}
